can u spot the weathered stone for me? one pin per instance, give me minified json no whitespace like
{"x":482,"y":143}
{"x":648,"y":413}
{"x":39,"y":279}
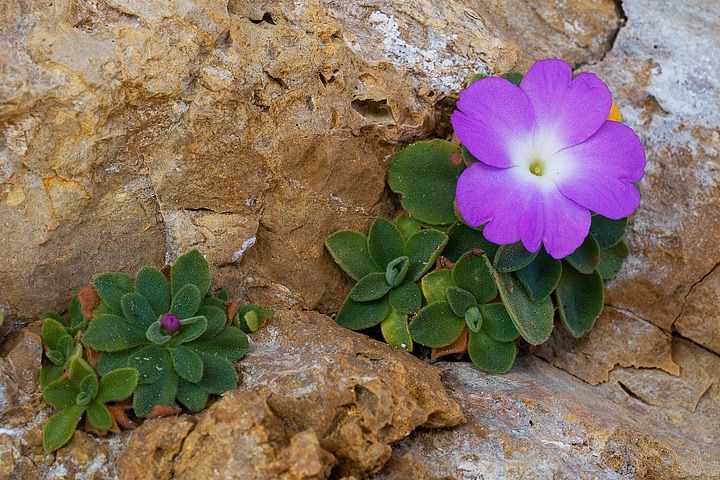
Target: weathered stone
{"x":356,"y":394}
{"x":539,"y":422}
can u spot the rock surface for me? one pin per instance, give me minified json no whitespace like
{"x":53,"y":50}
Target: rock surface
{"x":249,"y":129}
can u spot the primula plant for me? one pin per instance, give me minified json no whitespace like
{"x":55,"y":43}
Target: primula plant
{"x":533,"y":199}
{"x":154,"y":338}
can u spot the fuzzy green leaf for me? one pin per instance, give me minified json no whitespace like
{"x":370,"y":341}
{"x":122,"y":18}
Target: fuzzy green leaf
{"x":497,"y":322}
{"x":489,"y":354}
{"x":137,"y":310}
{"x":360,"y":315}
{"x":64,"y":345}
{"x":540,"y":276}
{"x":89,"y":385}
{"x":460,"y":300}
{"x":117,"y":385}
{"x":534,"y":320}
{"x":510,"y":258}
{"x":580,"y":300}
{"x":350,"y":250}
{"x":434,"y":285}
{"x":607,"y":232}
{"x":462,"y":239}
{"x":395,"y":330}
{"x":150,"y":363}
{"x":473,"y":319}
{"x":78,"y":321}
{"x":249,"y":318}
{"x":611,"y":259}
{"x":385,"y":242}
{"x":60,"y":427}
{"x":99,"y":416}
{"x":190,"y":329}
{"x":157,"y":335}
{"x":216,"y":319}
{"x":586,"y":257}
{"x":111,"y":287}
{"x":186,"y":302}
{"x":474,"y":274}
{"x":230,"y":344}
{"x":52,"y":331}
{"x":425,"y":174}
{"x":406,"y":298}
{"x":110,"y":361}
{"x":111,"y":333}
{"x":396,"y":271}
{"x":56,"y":357}
{"x":371,"y":287}
{"x":154,"y":287}
{"x":190,"y":269}
{"x":192,"y":396}
{"x":61,"y":394}
{"x":436,"y":325}
{"x":422,"y":249}
{"x":187,"y":363}
{"x":406,"y":225}
{"x":218,"y":377}
{"x":50,"y":374}
{"x":161,"y":392}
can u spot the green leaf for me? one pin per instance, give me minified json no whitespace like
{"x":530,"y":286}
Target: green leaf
{"x":540,"y":276}
{"x":385,"y":242}
{"x":222,"y":295}
{"x":99,"y":416}
{"x":78,"y":321}
{"x":64,"y":345}
{"x":611,"y":259}
{"x":156,"y":334}
{"x":56,"y":357}
{"x":216,"y":319}
{"x":192,"y":396}
{"x":190,"y":269}
{"x":460,"y":300}
{"x":434,"y":285}
{"x":110,"y":361}
{"x":117,"y":385}
{"x":111,"y":287}
{"x":534,"y":320}
{"x":350,"y":250}
{"x":360,"y":315}
{"x":490,"y":355}
{"x":462,"y":239}
{"x":510,"y":258}
{"x":436,"y":325}
{"x":160,"y":392}
{"x":473,"y":319}
{"x":52,"y":331}
{"x":607,"y":232}
{"x":190,"y":329}
{"x":154,"y":287}
{"x":406,"y":298}
{"x":112,"y":333}
{"x":497,"y":322}
{"x":137,"y":310}
{"x":187,"y":363}
{"x":186,"y":302}
{"x":249,"y":318}
{"x":422,"y":249}
{"x":60,"y":427}
{"x":56,"y":317}
{"x":395,"y":330}
{"x":580,"y":300}
{"x":61,"y":394}
{"x":586,"y":257}
{"x":89,"y":385}
{"x":229,"y":344}
{"x":512,"y":77}
{"x":474,"y":274}
{"x":50,"y":374}
{"x":150,"y":363}
{"x":406,"y":225}
{"x":371,"y":287}
{"x":218,"y":377}
{"x":396,"y":271}
{"x":425,"y":174}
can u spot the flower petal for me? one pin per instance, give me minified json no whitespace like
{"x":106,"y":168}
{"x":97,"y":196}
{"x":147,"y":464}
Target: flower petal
{"x":495,"y":114}
{"x":567,"y":110}
{"x":566,"y":224}
{"x":600,"y":171}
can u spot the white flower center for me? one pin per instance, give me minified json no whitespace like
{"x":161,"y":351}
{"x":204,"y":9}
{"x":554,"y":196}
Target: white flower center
{"x":538,"y":162}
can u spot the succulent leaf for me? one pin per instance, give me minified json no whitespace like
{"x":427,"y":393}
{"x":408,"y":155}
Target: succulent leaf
{"x":396,"y":271}
{"x":117,"y":385}
{"x":611,"y":259}
{"x":61,"y":426}
{"x":111,"y":287}
{"x":190,"y":329}
{"x":137,"y":310}
{"x":460,"y":300}
{"x":186,"y":302}
{"x":187,"y":363}
{"x":350,"y":250}
{"x":111,"y":333}
{"x":489,"y":354}
{"x":406,"y":225}
{"x":385,"y":242}
{"x":110,"y":361}
{"x":160,"y":392}
{"x":249,"y":324}
{"x":540,"y":277}
{"x":190,"y":269}
{"x":230,"y":344}
{"x":360,"y":315}
{"x":215,"y":317}
{"x":154,"y":287}
{"x":218,"y":377}
{"x":192,"y":396}
{"x":61,"y":394}
{"x":156,"y":335}
{"x":435,"y":284}
{"x":52,"y":331}
{"x":436,"y":325}
{"x":422,"y":249}
{"x":99,"y":416}
{"x":371,"y":287}
{"x":474,"y":274}
{"x":425,"y":174}
{"x":149,"y":362}
{"x":406,"y":298}
{"x":607,"y":232}
{"x":580,"y":300}
{"x":497,"y":322}
{"x":473,"y":319}
{"x":462,"y":239}
{"x":395,"y":330}
{"x":50,"y":374}
{"x":510,"y":258}
{"x":534,"y":320}
{"x":586,"y":257}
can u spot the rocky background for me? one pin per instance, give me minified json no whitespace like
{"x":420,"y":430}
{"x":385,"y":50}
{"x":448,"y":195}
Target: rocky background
{"x":133,"y":130}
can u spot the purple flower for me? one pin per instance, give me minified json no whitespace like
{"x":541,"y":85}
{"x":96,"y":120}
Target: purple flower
{"x":547,"y":157}
{"x":169,"y":323}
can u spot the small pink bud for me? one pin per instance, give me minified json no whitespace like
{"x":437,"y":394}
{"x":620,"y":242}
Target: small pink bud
{"x":169,"y":323}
